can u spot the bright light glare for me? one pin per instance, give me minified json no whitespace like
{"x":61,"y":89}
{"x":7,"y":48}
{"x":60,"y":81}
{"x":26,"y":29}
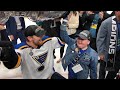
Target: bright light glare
{"x":28,"y":22}
{"x":109,"y":12}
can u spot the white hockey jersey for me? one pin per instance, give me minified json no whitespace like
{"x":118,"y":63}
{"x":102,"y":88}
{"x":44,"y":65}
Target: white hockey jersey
{"x":32,"y":59}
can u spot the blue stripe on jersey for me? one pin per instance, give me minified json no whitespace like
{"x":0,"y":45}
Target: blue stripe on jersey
{"x":60,"y":42}
{"x":20,"y":45}
{"x":45,"y":37}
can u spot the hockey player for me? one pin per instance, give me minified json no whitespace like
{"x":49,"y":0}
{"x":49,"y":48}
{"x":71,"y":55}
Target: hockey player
{"x":35,"y":55}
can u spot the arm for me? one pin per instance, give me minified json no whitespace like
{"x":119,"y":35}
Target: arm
{"x":2,"y":27}
{"x":9,"y":57}
{"x":23,"y":23}
{"x":101,"y":36}
{"x":8,"y":27}
{"x":56,"y":43}
{"x":93,"y":67}
{"x":64,"y":36}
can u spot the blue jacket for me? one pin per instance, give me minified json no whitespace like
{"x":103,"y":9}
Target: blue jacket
{"x":88,"y":60}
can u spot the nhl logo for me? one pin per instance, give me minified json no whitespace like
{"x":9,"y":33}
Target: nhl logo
{"x":31,"y":53}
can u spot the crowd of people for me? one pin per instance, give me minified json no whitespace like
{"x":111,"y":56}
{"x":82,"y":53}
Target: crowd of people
{"x":92,"y":37}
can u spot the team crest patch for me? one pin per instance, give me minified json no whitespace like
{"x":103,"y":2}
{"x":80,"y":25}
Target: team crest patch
{"x":40,"y":59}
{"x":31,"y":53}
{"x":87,"y":57}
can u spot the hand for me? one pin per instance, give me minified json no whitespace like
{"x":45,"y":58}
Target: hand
{"x":2,"y":27}
{"x":61,"y":20}
{"x":11,"y":37}
{"x":102,"y":57}
{"x":59,"y":60}
{"x":101,"y":14}
{"x":64,"y":22}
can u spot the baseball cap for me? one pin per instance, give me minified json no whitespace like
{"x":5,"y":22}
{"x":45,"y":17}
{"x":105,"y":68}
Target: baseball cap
{"x":85,"y":34}
{"x":34,"y":30}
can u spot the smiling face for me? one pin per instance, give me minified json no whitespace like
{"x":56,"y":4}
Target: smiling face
{"x":82,"y":43}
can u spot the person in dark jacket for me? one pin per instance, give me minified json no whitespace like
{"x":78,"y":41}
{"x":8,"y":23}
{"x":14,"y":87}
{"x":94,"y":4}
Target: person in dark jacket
{"x":15,"y":28}
{"x":103,"y":15}
{"x":104,"y":40}
{"x":3,"y":33}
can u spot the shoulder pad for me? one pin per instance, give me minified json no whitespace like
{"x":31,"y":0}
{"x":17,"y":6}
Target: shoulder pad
{"x":22,"y":47}
{"x":44,"y":41}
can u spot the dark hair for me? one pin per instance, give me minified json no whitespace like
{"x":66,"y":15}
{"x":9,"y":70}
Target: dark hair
{"x":29,"y":31}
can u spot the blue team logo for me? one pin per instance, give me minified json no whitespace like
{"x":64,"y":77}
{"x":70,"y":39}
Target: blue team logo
{"x":40,"y":59}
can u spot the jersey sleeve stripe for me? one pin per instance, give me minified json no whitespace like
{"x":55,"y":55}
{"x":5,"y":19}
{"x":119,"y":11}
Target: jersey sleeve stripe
{"x":60,"y":42}
{"x":44,"y":41}
{"x":22,"y":47}
{"x":19,"y":57}
{"x":18,"y":62}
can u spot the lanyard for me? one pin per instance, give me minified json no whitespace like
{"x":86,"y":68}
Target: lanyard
{"x":76,"y":60}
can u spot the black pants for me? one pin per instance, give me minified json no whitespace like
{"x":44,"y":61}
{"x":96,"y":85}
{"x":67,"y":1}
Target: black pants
{"x":54,"y":54}
{"x":19,"y":34}
{"x":93,"y":44}
{"x":4,"y":35}
{"x":112,"y":74}
{"x":56,"y":75}
{"x":102,"y":70}
{"x":61,"y":51}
